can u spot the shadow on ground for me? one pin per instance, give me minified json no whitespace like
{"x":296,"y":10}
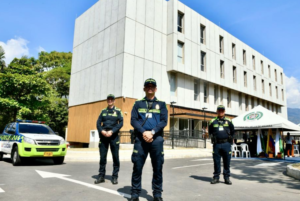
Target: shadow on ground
{"x":34,"y":162}
{"x":144,"y":193}
{"x":264,"y":174}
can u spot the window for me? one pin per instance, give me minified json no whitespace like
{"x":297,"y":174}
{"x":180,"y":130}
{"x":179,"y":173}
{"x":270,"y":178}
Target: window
{"x":245,"y":79}
{"x":263,"y":86}
{"x":276,"y":92}
{"x":281,"y":77}
{"x":247,"y":102}
{"x":228,"y":98}
{"x":253,"y":62}
{"x":203,"y":61}
{"x":180,"y":46}
{"x":240,"y":101}
{"x":233,"y":51}
{"x":258,"y":101}
{"x":202,"y":34}
{"x":252,"y":102}
{"x":234,"y":74}
{"x":268,"y":105}
{"x":244,"y":57}
{"x":216,"y":94}
{"x":269,"y":69}
{"x":173,"y":84}
{"x":254,"y":83}
{"x":205,"y":93}
{"x":282,"y":94}
{"x":262,"y":67}
{"x":276,"y":107}
{"x":275,"y":72}
{"x":270,"y":89}
{"x":222,"y":75}
{"x":196,"y":90}
{"x":221,"y":95}
{"x":221,"y":40}
{"x":183,"y":124}
{"x":180,"y":22}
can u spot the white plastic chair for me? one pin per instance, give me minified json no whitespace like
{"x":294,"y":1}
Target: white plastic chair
{"x":235,"y":150}
{"x":296,"y":149}
{"x":245,"y":149}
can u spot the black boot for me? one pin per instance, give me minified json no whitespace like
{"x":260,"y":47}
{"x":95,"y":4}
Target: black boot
{"x":134,"y":199}
{"x":114,"y":180}
{"x":214,"y":181}
{"x":227,"y":181}
{"x":157,"y":199}
{"x":100,"y":180}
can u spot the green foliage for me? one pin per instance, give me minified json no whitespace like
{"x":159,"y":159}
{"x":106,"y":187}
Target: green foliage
{"x":2,"y":57}
{"x":36,"y":89}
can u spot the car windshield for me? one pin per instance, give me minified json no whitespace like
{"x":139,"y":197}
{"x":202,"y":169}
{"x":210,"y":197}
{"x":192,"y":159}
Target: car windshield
{"x":35,"y":129}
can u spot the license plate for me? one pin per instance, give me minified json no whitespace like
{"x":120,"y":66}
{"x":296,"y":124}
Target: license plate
{"x":48,"y":154}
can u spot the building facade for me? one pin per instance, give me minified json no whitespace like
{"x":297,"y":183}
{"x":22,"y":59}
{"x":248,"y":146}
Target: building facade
{"x":120,"y":43}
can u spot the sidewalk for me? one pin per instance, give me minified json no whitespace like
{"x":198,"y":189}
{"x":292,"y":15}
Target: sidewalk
{"x":92,"y":154}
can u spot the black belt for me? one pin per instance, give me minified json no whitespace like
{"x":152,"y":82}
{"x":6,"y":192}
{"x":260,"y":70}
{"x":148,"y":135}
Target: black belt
{"x":222,"y":141}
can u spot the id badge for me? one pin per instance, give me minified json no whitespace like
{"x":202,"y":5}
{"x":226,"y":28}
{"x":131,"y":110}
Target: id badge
{"x":149,"y":115}
{"x":221,"y":128}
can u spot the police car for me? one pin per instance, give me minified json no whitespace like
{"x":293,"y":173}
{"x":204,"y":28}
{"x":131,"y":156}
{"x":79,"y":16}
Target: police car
{"x":26,"y":139}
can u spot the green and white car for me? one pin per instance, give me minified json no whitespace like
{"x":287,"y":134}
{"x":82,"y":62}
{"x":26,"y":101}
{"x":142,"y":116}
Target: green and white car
{"x":25,"y":139}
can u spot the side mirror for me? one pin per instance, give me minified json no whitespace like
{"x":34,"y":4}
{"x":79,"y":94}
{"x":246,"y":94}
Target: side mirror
{"x":56,"y":133}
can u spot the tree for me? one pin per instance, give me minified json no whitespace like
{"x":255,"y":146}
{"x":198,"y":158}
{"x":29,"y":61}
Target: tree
{"x":23,"y":89}
{"x":57,"y":67}
{"x":2,"y":57}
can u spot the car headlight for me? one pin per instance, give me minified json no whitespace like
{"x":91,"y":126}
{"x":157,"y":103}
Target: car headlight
{"x":29,"y":140}
{"x":62,"y":141}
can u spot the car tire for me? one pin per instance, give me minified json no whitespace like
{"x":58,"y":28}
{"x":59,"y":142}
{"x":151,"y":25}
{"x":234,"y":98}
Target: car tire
{"x":15,"y":157}
{"x":1,"y":156}
{"x":58,"y":160}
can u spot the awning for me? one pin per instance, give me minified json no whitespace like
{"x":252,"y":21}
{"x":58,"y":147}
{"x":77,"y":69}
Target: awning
{"x":262,"y":118}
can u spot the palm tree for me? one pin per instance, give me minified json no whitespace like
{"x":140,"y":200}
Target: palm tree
{"x":2,"y":57}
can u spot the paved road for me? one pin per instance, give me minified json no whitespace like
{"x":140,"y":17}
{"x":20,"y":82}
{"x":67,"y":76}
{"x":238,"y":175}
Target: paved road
{"x":184,"y":179}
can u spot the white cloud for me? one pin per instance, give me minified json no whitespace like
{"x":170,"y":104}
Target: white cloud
{"x":292,"y":92}
{"x":41,"y":49}
{"x":15,"y":48}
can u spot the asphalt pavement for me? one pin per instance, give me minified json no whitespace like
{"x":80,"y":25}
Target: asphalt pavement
{"x":184,"y":179}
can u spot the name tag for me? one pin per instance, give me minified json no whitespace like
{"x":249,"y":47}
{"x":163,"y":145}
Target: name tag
{"x":221,"y":128}
{"x":149,"y":115}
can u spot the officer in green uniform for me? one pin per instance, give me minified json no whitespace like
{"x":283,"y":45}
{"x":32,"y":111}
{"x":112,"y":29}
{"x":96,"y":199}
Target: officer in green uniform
{"x":222,"y":131}
{"x":109,"y":123}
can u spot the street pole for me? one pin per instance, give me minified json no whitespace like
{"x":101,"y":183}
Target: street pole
{"x":173,"y":129}
{"x":204,"y":108}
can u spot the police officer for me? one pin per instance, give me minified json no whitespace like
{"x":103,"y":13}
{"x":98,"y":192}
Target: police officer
{"x":222,"y":130}
{"x":149,"y":116}
{"x":109,"y":123}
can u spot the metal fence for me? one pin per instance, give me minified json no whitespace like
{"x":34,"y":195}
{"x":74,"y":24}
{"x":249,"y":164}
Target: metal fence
{"x":191,"y":139}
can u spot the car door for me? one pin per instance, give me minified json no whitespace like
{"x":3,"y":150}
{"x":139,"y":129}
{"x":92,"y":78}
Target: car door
{"x":12,"y":132}
{"x":5,"y":140}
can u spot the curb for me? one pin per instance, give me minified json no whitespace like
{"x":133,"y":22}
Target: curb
{"x":293,"y":172}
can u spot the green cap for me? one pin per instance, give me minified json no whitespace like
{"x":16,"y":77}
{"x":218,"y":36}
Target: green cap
{"x":111,"y":96}
{"x":221,"y":107}
{"x":150,"y":81}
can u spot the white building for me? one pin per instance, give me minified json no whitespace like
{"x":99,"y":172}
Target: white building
{"x":120,"y":43}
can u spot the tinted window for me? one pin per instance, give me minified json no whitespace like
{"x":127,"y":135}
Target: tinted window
{"x":7,"y":128}
{"x":35,"y":129}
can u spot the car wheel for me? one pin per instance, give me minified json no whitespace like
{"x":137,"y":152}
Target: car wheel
{"x":1,"y":156}
{"x":59,"y":160}
{"x":15,"y":157}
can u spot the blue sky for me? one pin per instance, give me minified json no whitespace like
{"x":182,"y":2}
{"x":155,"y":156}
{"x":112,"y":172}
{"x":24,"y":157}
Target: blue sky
{"x":272,"y":27}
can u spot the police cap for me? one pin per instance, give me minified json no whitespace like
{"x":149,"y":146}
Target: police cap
{"x":111,"y":96}
{"x":150,"y":81}
{"x":221,"y":107}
